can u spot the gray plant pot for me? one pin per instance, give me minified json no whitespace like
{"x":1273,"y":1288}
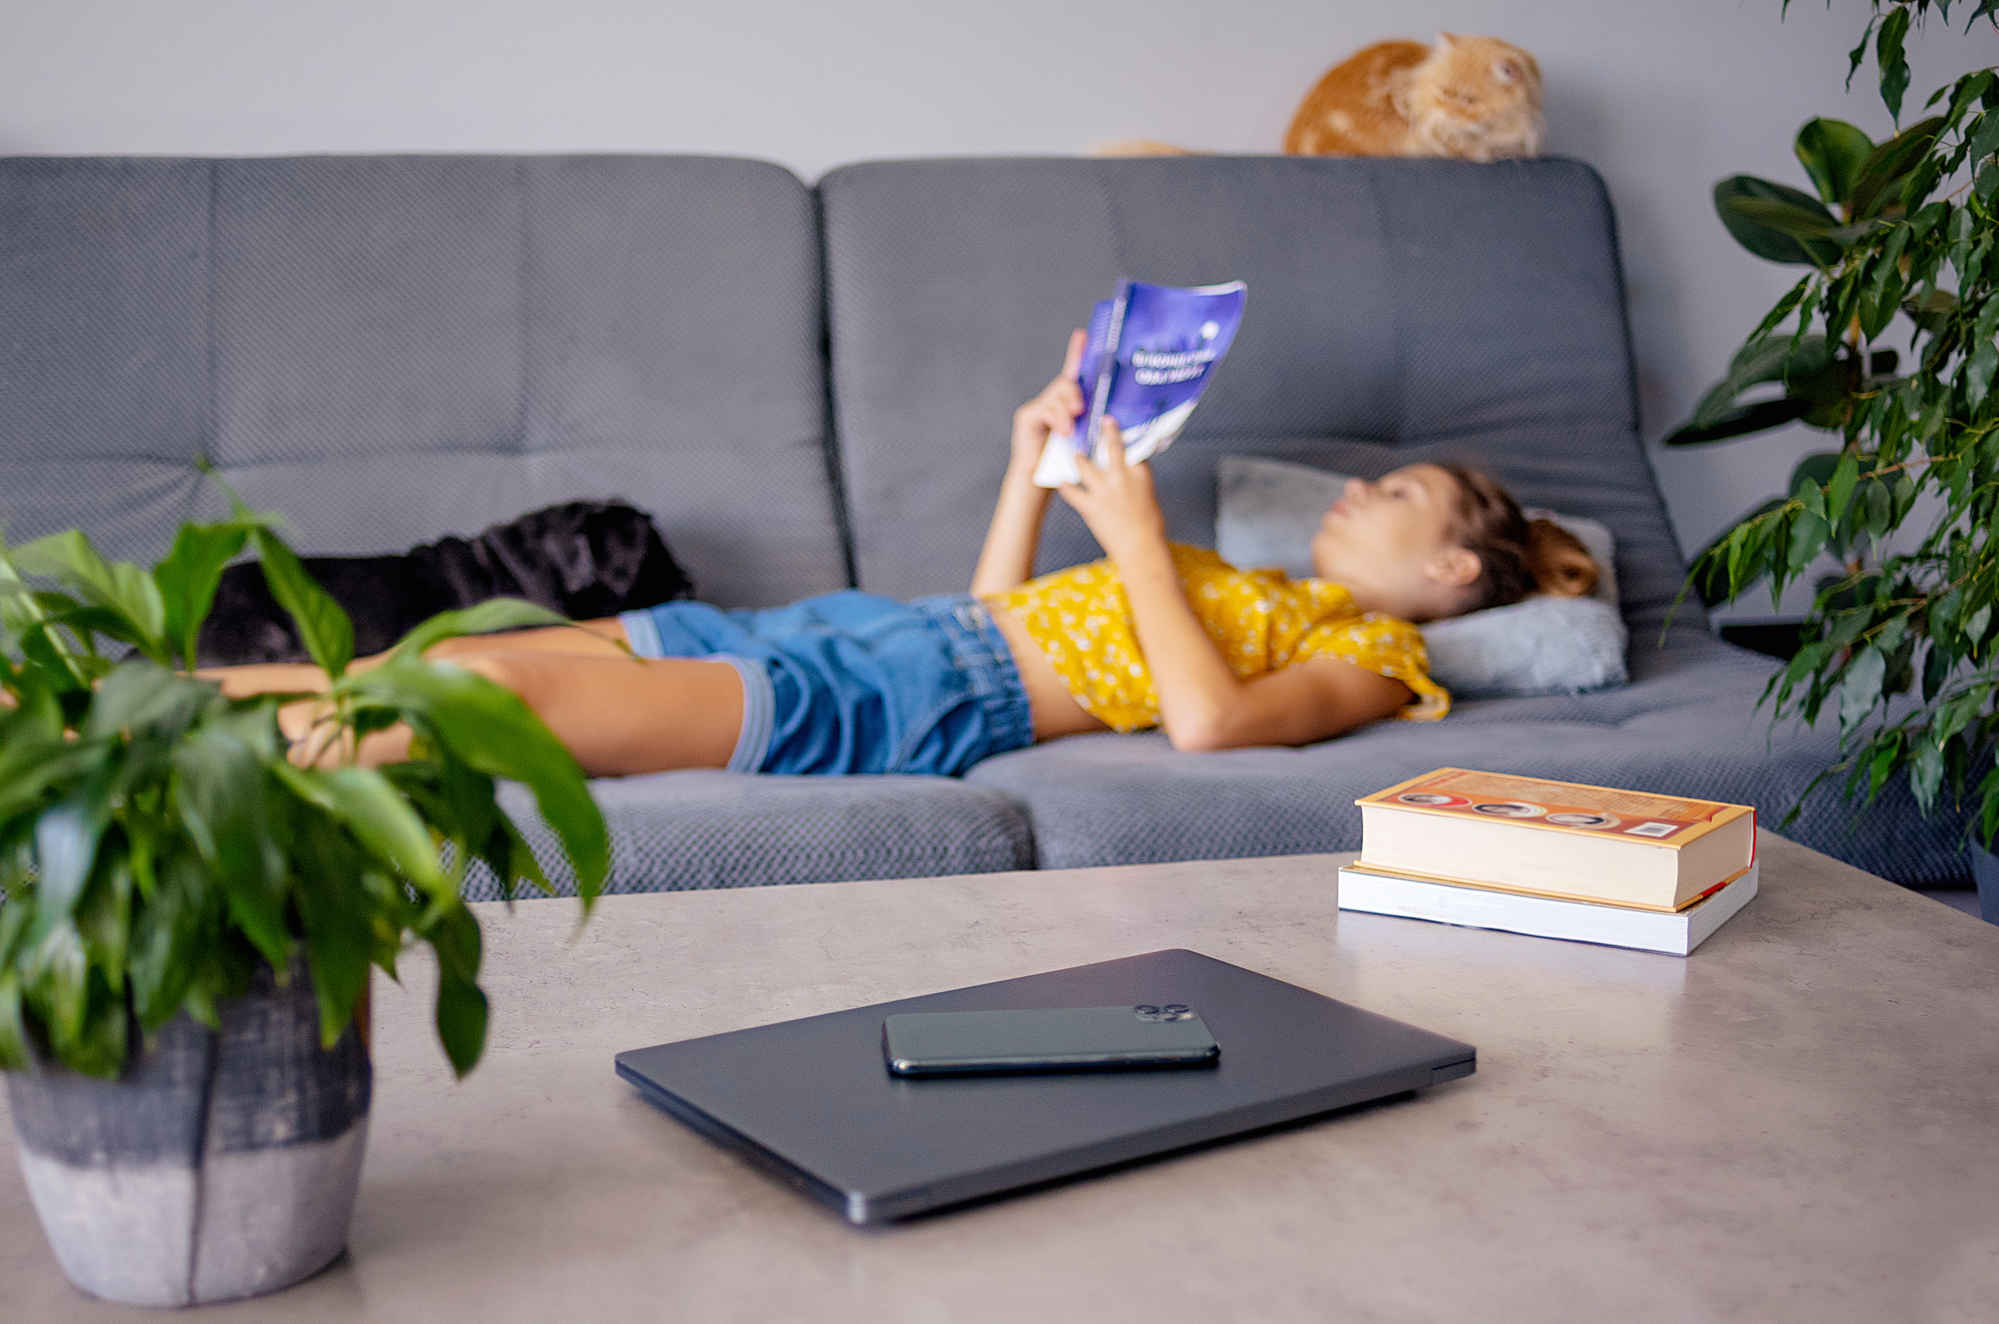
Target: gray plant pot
{"x":220,"y":1166}
{"x":1985,"y":873}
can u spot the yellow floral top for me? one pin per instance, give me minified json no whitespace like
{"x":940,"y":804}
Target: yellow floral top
{"x":1262,"y":620}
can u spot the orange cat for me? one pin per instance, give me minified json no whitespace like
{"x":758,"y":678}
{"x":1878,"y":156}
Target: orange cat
{"x":1474,"y":98}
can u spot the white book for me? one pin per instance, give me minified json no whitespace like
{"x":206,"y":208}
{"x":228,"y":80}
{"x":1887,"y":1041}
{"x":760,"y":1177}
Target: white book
{"x":1675,"y":932}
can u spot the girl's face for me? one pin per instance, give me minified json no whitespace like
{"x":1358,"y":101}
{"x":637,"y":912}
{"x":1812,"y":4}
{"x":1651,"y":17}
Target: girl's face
{"x":1392,"y":544}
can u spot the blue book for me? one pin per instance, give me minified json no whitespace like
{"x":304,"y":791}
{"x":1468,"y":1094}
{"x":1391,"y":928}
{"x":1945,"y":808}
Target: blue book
{"x":1150,"y":352}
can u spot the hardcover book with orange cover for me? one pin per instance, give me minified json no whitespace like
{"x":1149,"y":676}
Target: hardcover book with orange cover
{"x":1592,"y":843}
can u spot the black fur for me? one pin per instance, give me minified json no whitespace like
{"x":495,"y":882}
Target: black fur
{"x":585,"y":559}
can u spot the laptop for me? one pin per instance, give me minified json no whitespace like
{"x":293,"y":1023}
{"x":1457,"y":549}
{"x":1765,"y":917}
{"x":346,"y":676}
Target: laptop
{"x":814,"y":1103}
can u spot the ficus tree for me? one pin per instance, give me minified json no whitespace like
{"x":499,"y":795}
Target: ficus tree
{"x":1898,"y":234}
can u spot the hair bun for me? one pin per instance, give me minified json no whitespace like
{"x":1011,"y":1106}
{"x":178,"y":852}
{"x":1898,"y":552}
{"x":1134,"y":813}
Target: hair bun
{"x":1562,"y":567}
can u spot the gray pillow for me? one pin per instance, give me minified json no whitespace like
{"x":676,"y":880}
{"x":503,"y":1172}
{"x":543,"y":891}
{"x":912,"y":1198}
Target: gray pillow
{"x":1267,"y":511}
{"x":1542,"y":645}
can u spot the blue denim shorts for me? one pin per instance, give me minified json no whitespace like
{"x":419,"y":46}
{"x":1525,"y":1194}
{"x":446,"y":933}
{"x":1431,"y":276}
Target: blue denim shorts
{"x":853,"y":682}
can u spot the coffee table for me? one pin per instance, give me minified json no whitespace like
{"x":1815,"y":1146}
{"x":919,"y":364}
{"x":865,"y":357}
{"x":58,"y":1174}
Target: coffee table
{"x":1799,"y":1122}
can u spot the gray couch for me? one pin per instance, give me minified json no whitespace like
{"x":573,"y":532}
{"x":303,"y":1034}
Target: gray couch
{"x":810,"y":388}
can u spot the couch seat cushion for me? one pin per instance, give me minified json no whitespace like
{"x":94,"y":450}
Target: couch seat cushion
{"x":1689,"y":727}
{"x":683,"y":831}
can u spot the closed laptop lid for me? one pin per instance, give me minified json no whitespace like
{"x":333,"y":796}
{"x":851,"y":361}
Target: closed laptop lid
{"x":813,"y":1101}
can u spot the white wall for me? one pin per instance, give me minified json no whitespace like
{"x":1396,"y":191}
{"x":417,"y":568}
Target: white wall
{"x":1662,"y":96}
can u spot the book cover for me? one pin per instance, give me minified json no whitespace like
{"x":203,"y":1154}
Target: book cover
{"x":1676,"y":933}
{"x":1552,"y":893}
{"x":1602,"y":812}
{"x":1149,"y":353}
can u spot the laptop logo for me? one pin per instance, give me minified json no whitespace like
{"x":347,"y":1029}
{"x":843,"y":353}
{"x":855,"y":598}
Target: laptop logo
{"x":1171,"y":1011}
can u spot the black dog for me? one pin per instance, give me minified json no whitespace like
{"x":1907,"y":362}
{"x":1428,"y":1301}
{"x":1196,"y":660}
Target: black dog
{"x":585,"y":559}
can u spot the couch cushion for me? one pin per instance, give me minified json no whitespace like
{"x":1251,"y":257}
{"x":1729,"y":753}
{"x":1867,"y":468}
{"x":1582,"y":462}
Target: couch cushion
{"x":1688,"y":730}
{"x":1398,"y":310}
{"x":681,"y":831}
{"x":389,"y":349}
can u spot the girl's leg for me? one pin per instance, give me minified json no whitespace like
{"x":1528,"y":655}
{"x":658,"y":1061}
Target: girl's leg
{"x":617,"y":715}
{"x":600,"y":638}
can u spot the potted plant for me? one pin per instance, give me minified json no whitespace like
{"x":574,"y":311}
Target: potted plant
{"x":1899,"y":646}
{"x":192,"y":906}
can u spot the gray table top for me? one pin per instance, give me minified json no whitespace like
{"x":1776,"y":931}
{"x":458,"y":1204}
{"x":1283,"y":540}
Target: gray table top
{"x":1796,"y":1123}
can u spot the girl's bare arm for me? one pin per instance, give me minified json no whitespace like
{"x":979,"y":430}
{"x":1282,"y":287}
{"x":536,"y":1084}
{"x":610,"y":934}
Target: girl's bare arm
{"x":1007,"y":560}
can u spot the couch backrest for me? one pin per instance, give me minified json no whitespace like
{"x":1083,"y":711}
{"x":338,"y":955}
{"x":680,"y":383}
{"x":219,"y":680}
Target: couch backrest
{"x":1397,"y":310}
{"x":388,"y":349}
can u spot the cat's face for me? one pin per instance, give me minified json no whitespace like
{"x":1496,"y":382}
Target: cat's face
{"x":1474,"y":80}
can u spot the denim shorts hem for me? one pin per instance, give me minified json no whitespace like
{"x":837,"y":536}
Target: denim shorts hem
{"x":759,"y":698}
{"x":759,"y":713}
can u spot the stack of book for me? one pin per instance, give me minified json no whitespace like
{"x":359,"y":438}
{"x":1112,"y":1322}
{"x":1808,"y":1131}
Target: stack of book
{"x":1553,"y":859}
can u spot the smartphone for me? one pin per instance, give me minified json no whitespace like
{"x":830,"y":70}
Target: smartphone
{"x":957,"y":1043}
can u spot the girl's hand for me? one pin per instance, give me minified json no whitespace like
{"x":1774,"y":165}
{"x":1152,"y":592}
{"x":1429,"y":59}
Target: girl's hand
{"x":1054,"y":412}
{"x":1117,"y":500}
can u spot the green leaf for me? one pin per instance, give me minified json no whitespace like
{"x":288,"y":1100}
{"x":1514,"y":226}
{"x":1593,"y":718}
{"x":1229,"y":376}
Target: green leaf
{"x":104,"y":916}
{"x":116,"y":585}
{"x":66,"y":838}
{"x":189,"y":576}
{"x":56,"y":972}
{"x":461,"y":1006}
{"x":485,"y":618}
{"x":166,"y":937}
{"x":1808,"y":539}
{"x":367,"y":805}
{"x":1832,"y":151}
{"x":1926,"y":774}
{"x":1768,"y":241}
{"x":1839,"y":490}
{"x":221,"y":795}
{"x":324,"y":627}
{"x":1880,"y":508}
{"x":1936,"y":670}
{"x":336,"y":913}
{"x":1881,"y":765}
{"x":1976,"y":624}
{"x":1714,"y":572}
{"x":1809,"y":479}
{"x":1788,"y":217}
{"x":1881,"y":173}
{"x":1984,"y":354}
{"x":1782,"y":309}
{"x":1858,"y":53}
{"x":1860,"y":687}
{"x":1807,"y":366}
{"x":490,"y":730}
{"x":1985,"y":138}
{"x":98,"y":1046}
{"x":139,"y":695}
{"x":1893,"y":65}
{"x":1885,"y":291}
{"x":34,"y":759}
{"x":1738,"y":422}
{"x":1931,"y":310}
{"x":15,"y":1053}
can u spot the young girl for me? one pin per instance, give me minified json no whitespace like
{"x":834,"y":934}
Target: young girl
{"x":1154,"y":635}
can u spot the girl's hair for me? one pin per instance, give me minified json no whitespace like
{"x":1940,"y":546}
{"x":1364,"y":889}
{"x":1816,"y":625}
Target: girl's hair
{"x":1517,"y":556}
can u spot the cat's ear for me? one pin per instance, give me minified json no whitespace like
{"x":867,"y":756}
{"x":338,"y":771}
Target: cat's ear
{"x":1446,"y":40}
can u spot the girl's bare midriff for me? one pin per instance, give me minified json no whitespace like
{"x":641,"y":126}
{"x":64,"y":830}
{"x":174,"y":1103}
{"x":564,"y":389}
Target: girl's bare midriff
{"x":1056,"y":712}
